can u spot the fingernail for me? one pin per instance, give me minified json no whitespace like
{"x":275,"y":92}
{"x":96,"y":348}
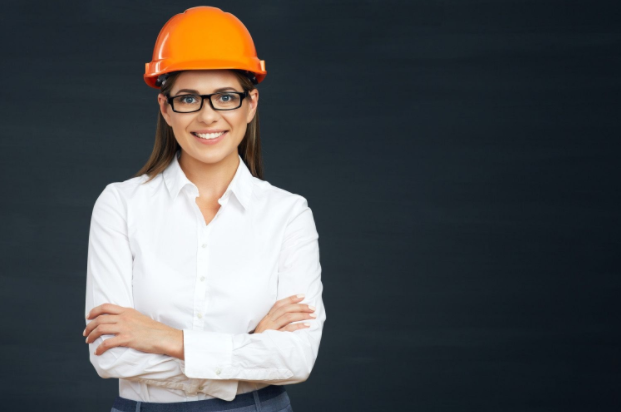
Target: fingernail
{"x":86,"y":340}
{"x":312,"y":315}
{"x":306,"y":324}
{"x":311,"y":307}
{"x":301,"y":295}
{"x":84,"y":333}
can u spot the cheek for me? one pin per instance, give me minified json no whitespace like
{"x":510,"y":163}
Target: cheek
{"x":179,"y":126}
{"x":241,"y":132}
{"x":239,"y":125}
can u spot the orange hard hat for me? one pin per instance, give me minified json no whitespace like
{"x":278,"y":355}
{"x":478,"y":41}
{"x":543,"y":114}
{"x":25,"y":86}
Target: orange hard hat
{"x":203,"y":37}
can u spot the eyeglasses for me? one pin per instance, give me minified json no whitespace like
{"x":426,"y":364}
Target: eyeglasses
{"x":188,"y":103}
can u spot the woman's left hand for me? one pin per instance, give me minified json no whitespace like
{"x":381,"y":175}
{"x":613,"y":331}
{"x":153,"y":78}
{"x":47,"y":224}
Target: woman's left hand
{"x":132,"y":330}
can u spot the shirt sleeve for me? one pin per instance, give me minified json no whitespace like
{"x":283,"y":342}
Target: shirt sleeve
{"x":109,"y":280}
{"x":277,"y":357}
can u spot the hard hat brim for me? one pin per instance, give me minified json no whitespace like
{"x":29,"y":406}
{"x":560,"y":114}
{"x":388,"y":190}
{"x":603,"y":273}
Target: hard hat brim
{"x":154,"y":69}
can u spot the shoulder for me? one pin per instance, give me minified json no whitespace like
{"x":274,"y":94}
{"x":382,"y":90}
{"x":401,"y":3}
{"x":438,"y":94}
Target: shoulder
{"x":279,"y":200}
{"x":120,"y":194}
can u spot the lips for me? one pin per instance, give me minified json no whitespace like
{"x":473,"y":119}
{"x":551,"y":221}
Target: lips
{"x":208,"y":135}
{"x":209,"y":131}
{"x":210,"y":141}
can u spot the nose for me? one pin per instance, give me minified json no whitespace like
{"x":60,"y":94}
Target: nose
{"x":207,"y":113}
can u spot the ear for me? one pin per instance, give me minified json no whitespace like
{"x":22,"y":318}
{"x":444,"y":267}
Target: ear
{"x":253,"y":103}
{"x":163,"y":102}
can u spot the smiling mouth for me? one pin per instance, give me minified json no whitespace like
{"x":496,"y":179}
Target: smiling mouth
{"x":208,"y":136}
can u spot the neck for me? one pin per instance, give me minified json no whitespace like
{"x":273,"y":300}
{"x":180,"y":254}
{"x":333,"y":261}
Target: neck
{"x":211,"y":179}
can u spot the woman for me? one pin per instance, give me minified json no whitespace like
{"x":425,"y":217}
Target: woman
{"x":204,"y":287}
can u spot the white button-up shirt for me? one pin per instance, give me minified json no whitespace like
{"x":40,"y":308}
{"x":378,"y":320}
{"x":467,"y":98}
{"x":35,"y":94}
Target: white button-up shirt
{"x":150,"y":249}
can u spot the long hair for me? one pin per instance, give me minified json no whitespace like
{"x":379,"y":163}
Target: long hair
{"x":166,"y":146}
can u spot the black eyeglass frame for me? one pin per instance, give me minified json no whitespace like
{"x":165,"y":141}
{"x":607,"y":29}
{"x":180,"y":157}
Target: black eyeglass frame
{"x":207,"y":96}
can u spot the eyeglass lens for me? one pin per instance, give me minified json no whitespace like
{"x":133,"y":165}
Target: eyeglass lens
{"x":220,"y":101}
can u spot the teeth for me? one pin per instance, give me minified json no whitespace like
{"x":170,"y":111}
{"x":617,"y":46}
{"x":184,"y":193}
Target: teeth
{"x":208,"y":135}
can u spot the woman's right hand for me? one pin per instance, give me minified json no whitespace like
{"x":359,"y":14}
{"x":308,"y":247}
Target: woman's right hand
{"x":284,"y":312}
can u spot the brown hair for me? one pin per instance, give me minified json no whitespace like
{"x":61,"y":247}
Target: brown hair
{"x":166,"y":146}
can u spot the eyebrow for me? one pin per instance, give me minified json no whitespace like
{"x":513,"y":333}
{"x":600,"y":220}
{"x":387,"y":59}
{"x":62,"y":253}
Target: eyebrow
{"x":221,"y":89}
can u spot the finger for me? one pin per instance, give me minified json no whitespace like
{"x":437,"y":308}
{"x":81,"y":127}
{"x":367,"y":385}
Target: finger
{"x":105,"y":329}
{"x":290,"y":317}
{"x":297,"y":307}
{"x":105,"y":308}
{"x":295,"y":326}
{"x":287,"y":301}
{"x":290,"y":313}
{"x":109,"y":344}
{"x":98,"y":321}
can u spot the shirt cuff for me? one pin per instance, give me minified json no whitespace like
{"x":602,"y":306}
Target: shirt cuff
{"x":206,"y":353}
{"x":219,"y":356}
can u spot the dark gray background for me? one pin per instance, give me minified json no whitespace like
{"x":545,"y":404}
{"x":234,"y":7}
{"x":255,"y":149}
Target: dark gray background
{"x":460,"y":158}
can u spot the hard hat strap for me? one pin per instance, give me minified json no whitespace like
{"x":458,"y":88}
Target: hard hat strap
{"x":248,"y":74}
{"x":161,"y":79}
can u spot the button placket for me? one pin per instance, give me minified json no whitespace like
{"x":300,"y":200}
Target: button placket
{"x":201,"y":270}
{"x":202,"y":263}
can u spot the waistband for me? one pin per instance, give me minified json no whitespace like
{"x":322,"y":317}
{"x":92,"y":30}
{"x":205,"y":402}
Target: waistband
{"x":272,"y":394}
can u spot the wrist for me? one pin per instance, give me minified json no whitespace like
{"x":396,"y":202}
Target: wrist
{"x":174,"y":345}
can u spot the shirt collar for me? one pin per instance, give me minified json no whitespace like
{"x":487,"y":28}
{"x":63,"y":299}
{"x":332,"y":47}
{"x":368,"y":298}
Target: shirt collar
{"x":240,"y":186}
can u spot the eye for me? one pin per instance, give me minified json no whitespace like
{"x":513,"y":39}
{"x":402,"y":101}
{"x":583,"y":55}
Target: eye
{"x":188,"y":99}
{"x":226,"y":97}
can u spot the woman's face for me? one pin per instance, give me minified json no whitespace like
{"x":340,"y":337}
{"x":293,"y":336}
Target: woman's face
{"x":208,"y":120}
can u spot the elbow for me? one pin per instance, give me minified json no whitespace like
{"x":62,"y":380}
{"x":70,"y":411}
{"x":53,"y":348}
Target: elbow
{"x":108,"y":365}
{"x":103,"y":367}
{"x":301,"y":371}
{"x":102,"y":372}
{"x":298,"y":378}
{"x":295,"y":367}
{"x":306,"y":353}
{"x":292,"y":376}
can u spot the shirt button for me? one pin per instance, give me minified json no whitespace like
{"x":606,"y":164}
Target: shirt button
{"x":218,"y":370}
{"x":200,"y":316}
{"x":204,"y":245}
{"x":202,"y":278}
